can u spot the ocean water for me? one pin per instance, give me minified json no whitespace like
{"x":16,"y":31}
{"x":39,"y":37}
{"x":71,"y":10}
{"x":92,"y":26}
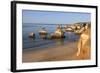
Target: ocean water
{"x":37,"y":42}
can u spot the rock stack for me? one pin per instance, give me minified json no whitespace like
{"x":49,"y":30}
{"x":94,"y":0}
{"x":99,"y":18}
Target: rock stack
{"x":32,"y":35}
{"x":43,"y":33}
{"x":58,"y":33}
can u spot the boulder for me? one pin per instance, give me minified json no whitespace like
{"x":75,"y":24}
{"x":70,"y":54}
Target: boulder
{"x":32,"y":35}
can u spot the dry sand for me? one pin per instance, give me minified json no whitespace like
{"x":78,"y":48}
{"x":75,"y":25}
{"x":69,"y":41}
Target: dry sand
{"x":58,"y":53}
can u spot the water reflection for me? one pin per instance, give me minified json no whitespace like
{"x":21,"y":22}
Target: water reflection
{"x":59,"y":41}
{"x":41,"y":40}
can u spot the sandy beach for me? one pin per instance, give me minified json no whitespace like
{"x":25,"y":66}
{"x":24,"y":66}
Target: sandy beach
{"x":58,"y":53}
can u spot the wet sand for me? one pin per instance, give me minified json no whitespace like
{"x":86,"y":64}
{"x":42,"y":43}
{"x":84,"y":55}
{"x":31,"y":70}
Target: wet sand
{"x":58,"y":53}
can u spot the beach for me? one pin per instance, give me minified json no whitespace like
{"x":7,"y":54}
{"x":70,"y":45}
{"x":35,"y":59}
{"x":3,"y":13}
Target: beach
{"x":59,"y":53}
{"x":49,"y":54}
{"x":56,"y":54}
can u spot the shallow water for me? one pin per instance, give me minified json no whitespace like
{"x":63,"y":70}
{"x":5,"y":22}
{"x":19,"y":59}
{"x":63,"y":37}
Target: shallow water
{"x":44,"y":43}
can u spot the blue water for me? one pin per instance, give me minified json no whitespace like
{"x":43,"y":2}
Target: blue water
{"x":43,"y":43}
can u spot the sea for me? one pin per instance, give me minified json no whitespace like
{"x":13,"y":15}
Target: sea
{"x":38,"y":43}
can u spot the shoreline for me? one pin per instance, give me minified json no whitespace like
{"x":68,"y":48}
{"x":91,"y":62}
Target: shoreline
{"x":58,"y":53}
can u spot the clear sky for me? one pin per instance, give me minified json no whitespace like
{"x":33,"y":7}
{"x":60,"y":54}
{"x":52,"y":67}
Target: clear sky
{"x":51,"y":17}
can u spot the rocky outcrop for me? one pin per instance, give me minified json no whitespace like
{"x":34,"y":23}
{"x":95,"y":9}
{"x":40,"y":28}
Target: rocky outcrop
{"x":32,"y":35}
{"x":43,"y":33}
{"x":58,"y":33}
{"x":84,"y":41}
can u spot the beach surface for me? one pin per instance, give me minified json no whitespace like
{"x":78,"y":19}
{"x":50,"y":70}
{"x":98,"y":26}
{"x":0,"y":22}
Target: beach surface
{"x":58,"y":53}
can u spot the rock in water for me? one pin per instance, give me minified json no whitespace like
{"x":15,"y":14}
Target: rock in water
{"x":43,"y":33}
{"x":32,"y":35}
{"x":58,"y":34}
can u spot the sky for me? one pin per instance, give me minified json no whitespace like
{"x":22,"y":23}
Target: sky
{"x":52,"y":17}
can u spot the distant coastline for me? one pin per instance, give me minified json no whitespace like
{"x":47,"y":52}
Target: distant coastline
{"x":58,"y":23}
